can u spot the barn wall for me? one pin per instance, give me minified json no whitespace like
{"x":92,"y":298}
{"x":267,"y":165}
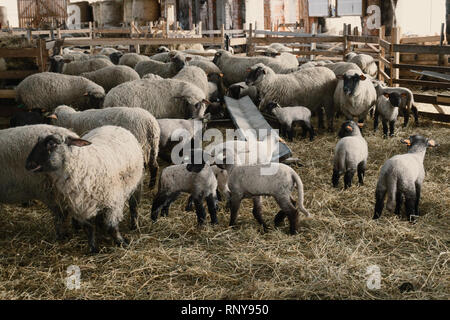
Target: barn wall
{"x":43,"y":14}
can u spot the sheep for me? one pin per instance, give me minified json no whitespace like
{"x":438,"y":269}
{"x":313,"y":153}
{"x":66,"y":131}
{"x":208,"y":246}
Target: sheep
{"x":95,"y":175}
{"x":217,"y":89}
{"x":34,"y":116}
{"x":17,"y":185}
{"x":235,"y":68}
{"x":240,"y":89}
{"x":248,"y":182}
{"x":79,"y":67}
{"x":132,"y":59}
{"x":108,"y":51}
{"x":48,"y":90}
{"x":406,"y":103}
{"x":350,"y":155}
{"x":194,"y":75}
{"x":387,"y":108}
{"x":340,"y":68}
{"x":111,"y":77}
{"x":165,"y":70}
{"x":312,"y":88}
{"x":167,"y":98}
{"x":365,"y":62}
{"x":402,"y":176}
{"x":168,"y":127}
{"x":288,"y":115}
{"x":286,"y":57}
{"x":279,"y":47}
{"x":138,"y":121}
{"x":196,"y":179}
{"x":166,"y":56}
{"x":354,"y":95}
{"x":205,"y":65}
{"x":115,"y":57}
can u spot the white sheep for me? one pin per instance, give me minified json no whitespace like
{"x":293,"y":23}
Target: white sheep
{"x":207,"y":66}
{"x":79,"y":67}
{"x":138,"y":121}
{"x":355,"y":95}
{"x":249,"y":182}
{"x":387,"y":109}
{"x":94,"y":175}
{"x":312,"y":88}
{"x":287,"y":116}
{"x":194,"y":75}
{"x":164,"y":70}
{"x":48,"y":90}
{"x":111,"y":77}
{"x":350,"y":155}
{"x":365,"y":62}
{"x":132,"y":59}
{"x":340,"y":68}
{"x":17,"y":185}
{"x":402,"y":176}
{"x":167,"y":98}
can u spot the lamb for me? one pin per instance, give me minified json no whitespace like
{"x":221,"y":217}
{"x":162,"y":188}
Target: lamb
{"x":79,"y":67}
{"x":350,"y":155}
{"x":95,"y":175}
{"x":217,"y":89}
{"x":48,"y":90}
{"x":180,"y":99}
{"x":354,"y":95}
{"x":111,"y":77}
{"x":312,"y":88}
{"x":365,"y":62}
{"x":240,"y":89}
{"x":207,"y":66}
{"x":340,"y":68}
{"x":288,"y":115}
{"x":235,"y":68}
{"x":165,"y":70}
{"x":196,"y":179}
{"x":402,"y":176}
{"x":132,"y":59}
{"x":387,"y":108}
{"x":17,"y":185}
{"x":249,"y":182}
{"x":196,"y":76}
{"x":168,"y":127}
{"x":406,"y":103}
{"x":138,"y":121}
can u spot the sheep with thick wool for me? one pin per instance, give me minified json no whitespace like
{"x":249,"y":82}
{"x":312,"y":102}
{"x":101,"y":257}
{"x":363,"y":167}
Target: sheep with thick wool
{"x":196,"y":76}
{"x":162,"y":69}
{"x":112,"y":76}
{"x":94,"y":175}
{"x":138,"y":121}
{"x":48,"y":90}
{"x":79,"y":67}
{"x":132,"y":59}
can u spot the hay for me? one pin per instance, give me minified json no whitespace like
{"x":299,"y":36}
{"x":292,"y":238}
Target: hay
{"x":173,"y":259}
{"x":15,"y":42}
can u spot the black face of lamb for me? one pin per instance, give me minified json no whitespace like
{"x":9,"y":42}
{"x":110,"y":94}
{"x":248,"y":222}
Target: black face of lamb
{"x":115,"y":57}
{"x":271,"y":105}
{"x":216,"y":58}
{"x":348,"y":128}
{"x":395,"y":99}
{"x":253,"y":75}
{"x":235,"y":91}
{"x":95,"y":101}
{"x":179,"y":62}
{"x":350,"y":84}
{"x":416,"y":142}
{"x":39,"y":159}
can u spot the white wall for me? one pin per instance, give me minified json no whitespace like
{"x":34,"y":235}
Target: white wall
{"x":11,"y":7}
{"x":420,"y":17}
{"x":254,"y":11}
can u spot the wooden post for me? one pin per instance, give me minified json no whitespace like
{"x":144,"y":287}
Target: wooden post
{"x":43,"y":55}
{"x":313,"y":44}
{"x":249,"y":39}
{"x":91,"y":33}
{"x":345,"y":42}
{"x":382,"y":53}
{"x":441,"y":59}
{"x":396,"y":32}
{"x":167,"y":29}
{"x":222,"y":36}
{"x":200,"y":28}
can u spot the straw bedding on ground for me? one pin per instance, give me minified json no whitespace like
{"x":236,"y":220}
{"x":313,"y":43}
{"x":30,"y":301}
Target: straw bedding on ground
{"x":328,"y":259}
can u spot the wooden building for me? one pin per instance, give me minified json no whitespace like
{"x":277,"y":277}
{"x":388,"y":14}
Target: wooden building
{"x":41,"y":13}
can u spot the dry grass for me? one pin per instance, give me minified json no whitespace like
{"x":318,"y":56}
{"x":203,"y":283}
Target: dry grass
{"x":173,"y":259}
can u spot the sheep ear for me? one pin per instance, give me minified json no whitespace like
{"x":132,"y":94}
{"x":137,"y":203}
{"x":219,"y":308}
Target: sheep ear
{"x":340,"y":77}
{"x":86,"y":94}
{"x":386,"y":94}
{"x":431,"y":143}
{"x":77,"y":142}
{"x":349,"y":128}
{"x":188,"y":58}
{"x":362,"y":77}
{"x":361,"y":125}
{"x":406,"y":141}
{"x":221,"y":75}
{"x":53,"y":116}
{"x":206,"y":101}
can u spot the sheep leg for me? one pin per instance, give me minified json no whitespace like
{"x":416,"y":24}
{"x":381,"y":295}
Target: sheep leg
{"x":279,"y":218}
{"x":157,"y":204}
{"x":416,"y":208}
{"x":335,"y":178}
{"x":416,"y":114}
{"x":410,"y":203}
{"x":200,"y":211}
{"x":361,"y":172}
{"x":398,"y":203}
{"x":115,"y":234}
{"x":375,"y":120}
{"x":212,"y":208}
{"x":235,"y":203}
{"x":153,"y":173}
{"x":405,"y":116}
{"x":304,"y":129}
{"x":290,"y":132}
{"x":380,"y":194}
{"x":348,"y":177}
{"x":89,"y":228}
{"x":391,"y":128}
{"x":166,"y":207}
{"x":257,"y":211}
{"x":133,"y":203}
{"x":291,"y":212}
{"x":189,"y":204}
{"x":310,"y":130}
{"x":60,"y":218}
{"x":385,"y":128}
{"x":320,"y":118}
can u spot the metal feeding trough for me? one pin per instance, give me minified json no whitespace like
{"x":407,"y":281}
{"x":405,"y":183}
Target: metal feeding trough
{"x":245,"y":115}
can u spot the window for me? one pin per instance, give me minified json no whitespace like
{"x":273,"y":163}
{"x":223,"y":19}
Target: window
{"x":349,"y":7}
{"x":318,"y":8}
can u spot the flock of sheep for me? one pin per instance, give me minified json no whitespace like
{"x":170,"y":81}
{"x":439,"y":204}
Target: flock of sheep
{"x":109,"y":115}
